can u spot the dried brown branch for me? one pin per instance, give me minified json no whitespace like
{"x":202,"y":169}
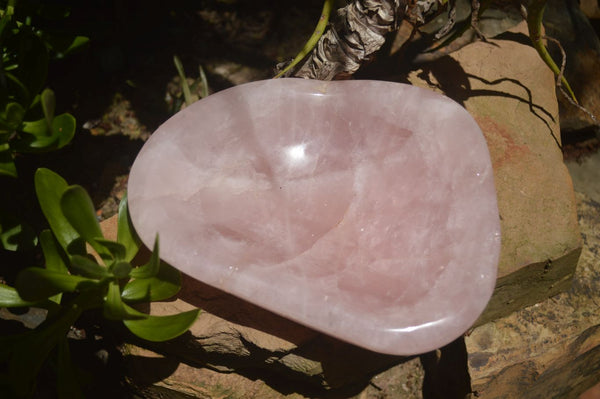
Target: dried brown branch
{"x":359,"y":31}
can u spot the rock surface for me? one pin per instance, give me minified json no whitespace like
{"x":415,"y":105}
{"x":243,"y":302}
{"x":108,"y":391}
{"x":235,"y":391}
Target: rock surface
{"x":515,"y":105}
{"x":360,"y":216}
{"x":551,"y":349}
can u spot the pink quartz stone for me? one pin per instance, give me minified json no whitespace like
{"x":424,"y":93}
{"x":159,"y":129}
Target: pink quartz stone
{"x":363,"y":209}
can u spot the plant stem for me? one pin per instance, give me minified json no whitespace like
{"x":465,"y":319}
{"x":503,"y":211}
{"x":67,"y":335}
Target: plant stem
{"x":535,"y":14}
{"x":187,"y":95}
{"x":314,"y":39}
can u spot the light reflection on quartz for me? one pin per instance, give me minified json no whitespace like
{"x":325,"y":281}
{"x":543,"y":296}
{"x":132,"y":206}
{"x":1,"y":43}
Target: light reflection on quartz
{"x":419,"y":327}
{"x":296,"y":153}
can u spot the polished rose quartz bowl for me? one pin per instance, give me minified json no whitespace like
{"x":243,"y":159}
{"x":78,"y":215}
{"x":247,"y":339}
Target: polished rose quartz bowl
{"x":363,"y":209}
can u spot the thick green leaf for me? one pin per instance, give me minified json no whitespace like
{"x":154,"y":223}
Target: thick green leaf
{"x":12,"y":116}
{"x":126,"y":234}
{"x":53,"y":257}
{"x":115,"y":309}
{"x":151,"y":268}
{"x":40,"y":129}
{"x":87,"y":267}
{"x":52,"y":253}
{"x":9,"y":298}
{"x":7,"y":163}
{"x":48,"y":105}
{"x":30,"y":350}
{"x":39,"y":136}
{"x":137,"y":291}
{"x":49,"y":188}
{"x":77,"y":43}
{"x":63,"y":44}
{"x":78,"y":208}
{"x":162,"y":328}
{"x":63,"y":129}
{"x":16,"y":86}
{"x":35,"y":284}
{"x":116,"y":250}
{"x":15,"y":235}
{"x":163,"y":286}
{"x":121,"y":269}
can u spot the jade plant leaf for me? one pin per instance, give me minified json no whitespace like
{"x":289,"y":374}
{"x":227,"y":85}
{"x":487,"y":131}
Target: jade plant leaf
{"x":15,"y":235}
{"x":162,"y":328}
{"x":116,"y":250}
{"x":49,"y":188}
{"x":126,"y":235}
{"x":48,"y":105}
{"x":78,"y":209}
{"x":86,"y":267}
{"x":63,"y":128}
{"x":151,"y":268}
{"x":121,"y":269}
{"x":64,"y":45}
{"x":115,"y":309}
{"x":35,"y":284}
{"x":164,"y":285}
{"x":32,"y":348}
{"x":40,"y":130}
{"x":52,"y":255}
{"x":11,"y":117}
{"x":77,"y":43}
{"x":45,"y":134}
{"x":7,"y":164}
{"x":9,"y":298}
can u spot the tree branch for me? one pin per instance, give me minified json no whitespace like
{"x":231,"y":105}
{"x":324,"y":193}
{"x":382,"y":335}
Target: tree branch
{"x":358,"y":32}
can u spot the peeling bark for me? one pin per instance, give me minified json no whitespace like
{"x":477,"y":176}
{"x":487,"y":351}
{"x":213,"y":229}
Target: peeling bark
{"x":359,"y":31}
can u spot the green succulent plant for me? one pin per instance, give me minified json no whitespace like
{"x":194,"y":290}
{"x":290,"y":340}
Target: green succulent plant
{"x":73,"y":281}
{"x":30,"y":38}
{"x":27,"y":111}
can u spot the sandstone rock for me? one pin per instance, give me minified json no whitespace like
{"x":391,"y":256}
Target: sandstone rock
{"x":551,"y":349}
{"x":234,"y":335}
{"x":153,"y":376}
{"x":586,"y":175}
{"x":180,"y":380}
{"x":591,"y":8}
{"x":510,"y":92}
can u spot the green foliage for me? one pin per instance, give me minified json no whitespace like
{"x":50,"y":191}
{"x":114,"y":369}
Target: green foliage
{"x":193,"y":93}
{"x":74,"y":281}
{"x":28,"y":119}
{"x":28,"y":122}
